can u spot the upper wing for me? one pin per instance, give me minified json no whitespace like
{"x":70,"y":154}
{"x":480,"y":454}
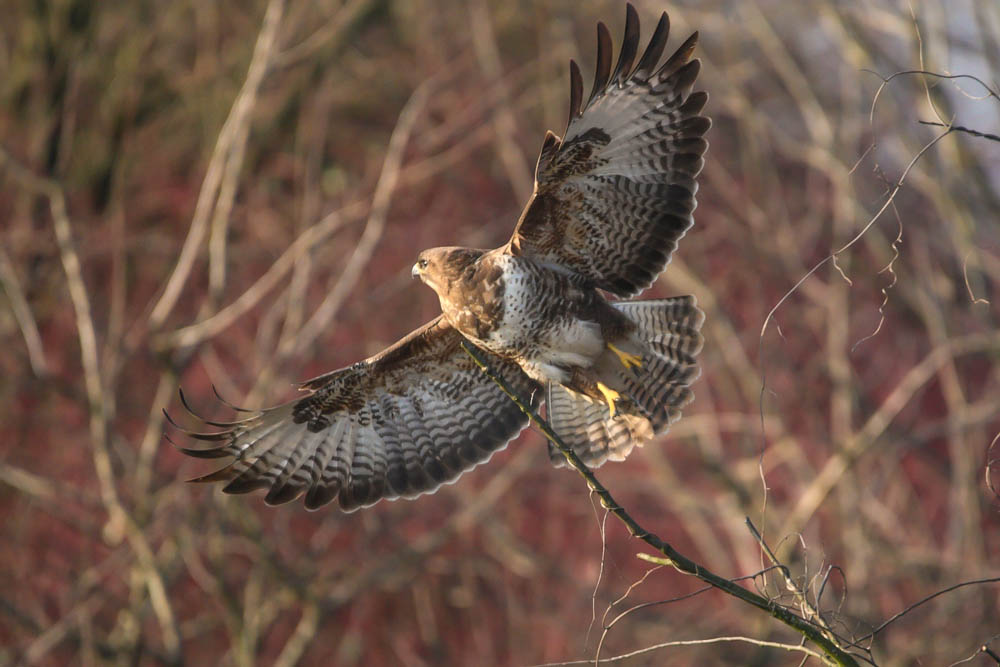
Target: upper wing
{"x":401,"y":423}
{"x":614,"y":196}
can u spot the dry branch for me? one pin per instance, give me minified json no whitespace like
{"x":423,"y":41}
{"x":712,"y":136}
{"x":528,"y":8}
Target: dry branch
{"x":120,"y":523}
{"x":222,"y":169}
{"x":834,"y":654}
{"x":22,"y":312}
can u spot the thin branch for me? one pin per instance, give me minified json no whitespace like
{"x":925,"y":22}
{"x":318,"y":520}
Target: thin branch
{"x":674,"y":558}
{"x":983,"y":648}
{"x":120,"y":522}
{"x":329,"y":33}
{"x":22,"y":312}
{"x":642,"y":605}
{"x":838,"y":464}
{"x":657,"y":603}
{"x":886,"y":80}
{"x":28,"y":482}
{"x":959,"y":128}
{"x":864,"y":230}
{"x":694,"y":642}
{"x":602,"y":525}
{"x":628,"y":592}
{"x":153,"y":436}
{"x":119,"y":518}
{"x":302,"y":636}
{"x":807,"y":607}
{"x":895,"y":617}
{"x":212,"y":326}
{"x":381,"y":200}
{"x":56,"y":632}
{"x":890,"y":199}
{"x":990,"y":462}
{"x":209,"y":197}
{"x":968,"y":287}
{"x":488,"y":53}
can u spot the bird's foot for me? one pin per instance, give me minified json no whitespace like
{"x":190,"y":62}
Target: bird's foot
{"x":610,"y":395}
{"x":629,"y":361}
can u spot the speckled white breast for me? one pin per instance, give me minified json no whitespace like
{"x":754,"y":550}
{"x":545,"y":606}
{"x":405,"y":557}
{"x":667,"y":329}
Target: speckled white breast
{"x":537,"y":324}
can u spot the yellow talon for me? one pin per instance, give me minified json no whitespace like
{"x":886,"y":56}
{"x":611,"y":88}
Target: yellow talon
{"x":628,"y":360}
{"x":610,"y":395}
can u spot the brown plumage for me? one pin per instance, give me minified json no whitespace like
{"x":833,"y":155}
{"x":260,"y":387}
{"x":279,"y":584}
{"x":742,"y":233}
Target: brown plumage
{"x":612,"y":199}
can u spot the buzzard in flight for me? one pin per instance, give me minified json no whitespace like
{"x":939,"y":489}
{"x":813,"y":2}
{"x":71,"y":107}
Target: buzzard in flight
{"x":611,"y":200}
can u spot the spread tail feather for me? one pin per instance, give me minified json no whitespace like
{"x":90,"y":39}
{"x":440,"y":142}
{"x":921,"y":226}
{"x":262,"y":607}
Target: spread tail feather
{"x":586,"y":426}
{"x":666,"y":340}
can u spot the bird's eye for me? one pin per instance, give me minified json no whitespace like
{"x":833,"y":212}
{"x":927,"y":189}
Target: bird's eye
{"x":422,"y":263}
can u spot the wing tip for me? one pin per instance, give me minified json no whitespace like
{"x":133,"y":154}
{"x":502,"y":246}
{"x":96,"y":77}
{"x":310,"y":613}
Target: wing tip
{"x":654,"y":49}
{"x":281,"y":494}
{"x":602,"y":70}
{"x":221,"y":475}
{"x":681,"y":57}
{"x":575,"y":91}
{"x":630,"y":47}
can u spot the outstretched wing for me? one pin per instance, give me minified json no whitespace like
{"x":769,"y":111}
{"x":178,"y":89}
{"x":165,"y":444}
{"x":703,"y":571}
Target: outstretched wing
{"x":401,"y":423}
{"x":614,"y":196}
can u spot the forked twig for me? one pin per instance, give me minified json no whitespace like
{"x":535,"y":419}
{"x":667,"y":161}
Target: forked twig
{"x":960,"y":128}
{"x":834,"y":654}
{"x":808,"y":608}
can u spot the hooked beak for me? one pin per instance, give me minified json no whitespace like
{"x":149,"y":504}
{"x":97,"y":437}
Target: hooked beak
{"x":415,"y":271}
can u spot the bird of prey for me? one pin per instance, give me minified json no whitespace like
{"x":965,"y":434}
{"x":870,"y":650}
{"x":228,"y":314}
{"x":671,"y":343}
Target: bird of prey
{"x":612,"y":198}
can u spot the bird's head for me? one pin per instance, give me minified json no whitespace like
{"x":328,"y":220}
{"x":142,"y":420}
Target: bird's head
{"x":440,"y":268}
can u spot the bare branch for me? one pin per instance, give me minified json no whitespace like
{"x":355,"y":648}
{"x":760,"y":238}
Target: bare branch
{"x":673,"y":557}
{"x":231,"y":138}
{"x":119,"y":521}
{"x":694,"y":642}
{"x":22,"y":311}
{"x":381,"y":201}
{"x":876,"y":424}
{"x":959,"y":128}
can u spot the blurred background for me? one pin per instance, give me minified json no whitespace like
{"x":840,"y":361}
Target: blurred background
{"x":231,"y":194}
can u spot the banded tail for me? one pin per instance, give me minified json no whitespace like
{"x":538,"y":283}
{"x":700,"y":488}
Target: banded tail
{"x":666,"y":340}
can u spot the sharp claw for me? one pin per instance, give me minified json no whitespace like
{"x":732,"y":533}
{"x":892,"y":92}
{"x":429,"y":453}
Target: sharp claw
{"x":629,"y":361}
{"x":610,"y":395}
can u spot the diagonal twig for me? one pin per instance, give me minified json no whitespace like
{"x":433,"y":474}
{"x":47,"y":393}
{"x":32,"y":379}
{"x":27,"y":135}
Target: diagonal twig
{"x":834,"y":653}
{"x":22,"y":313}
{"x":960,"y":128}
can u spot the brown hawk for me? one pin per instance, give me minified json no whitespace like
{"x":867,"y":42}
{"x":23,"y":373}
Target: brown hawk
{"x":611,"y":200}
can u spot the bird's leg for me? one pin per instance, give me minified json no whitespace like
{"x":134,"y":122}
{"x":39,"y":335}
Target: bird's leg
{"x":629,"y":361}
{"x":610,"y":395}
{"x":584,"y":383}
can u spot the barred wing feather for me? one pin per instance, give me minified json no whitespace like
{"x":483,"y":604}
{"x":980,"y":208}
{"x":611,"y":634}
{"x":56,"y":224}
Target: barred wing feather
{"x":399,"y":424}
{"x":616,"y":194}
